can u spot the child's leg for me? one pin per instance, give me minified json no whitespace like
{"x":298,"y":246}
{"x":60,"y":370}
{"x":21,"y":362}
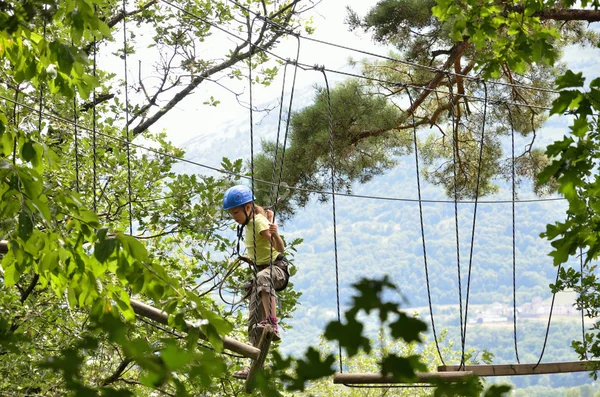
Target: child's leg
{"x":269,"y":308}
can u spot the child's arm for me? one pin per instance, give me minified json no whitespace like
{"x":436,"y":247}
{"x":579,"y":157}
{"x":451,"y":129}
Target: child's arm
{"x":272,"y":234}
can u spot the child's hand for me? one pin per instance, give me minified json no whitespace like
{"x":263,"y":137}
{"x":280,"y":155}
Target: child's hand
{"x":273,"y":229}
{"x":270,"y":215}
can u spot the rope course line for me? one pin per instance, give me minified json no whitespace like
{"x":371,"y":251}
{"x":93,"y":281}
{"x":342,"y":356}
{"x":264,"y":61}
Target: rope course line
{"x":583,"y":340}
{"x":335,"y":251}
{"x":307,"y":67}
{"x":514,"y":242}
{"x":549,"y":320}
{"x":456,"y":223}
{"x":422,"y":224}
{"x":408,"y":63}
{"x":127,"y":135}
{"x":464,"y":333}
{"x":94,"y":122}
{"x":241,"y":176}
{"x":255,"y":301}
{"x":76,"y":142}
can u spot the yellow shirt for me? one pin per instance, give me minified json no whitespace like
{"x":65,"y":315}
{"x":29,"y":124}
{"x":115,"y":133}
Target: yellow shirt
{"x":263,"y":246}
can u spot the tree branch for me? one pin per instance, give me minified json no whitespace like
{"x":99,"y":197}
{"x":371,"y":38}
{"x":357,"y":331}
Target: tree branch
{"x":455,"y":53}
{"x":30,"y":288}
{"x":196,"y":81}
{"x":559,"y":14}
{"x":118,"y":372}
{"x":119,"y":17}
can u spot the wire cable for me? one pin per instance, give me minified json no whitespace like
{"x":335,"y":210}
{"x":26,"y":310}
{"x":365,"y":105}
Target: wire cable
{"x":464,"y":333}
{"x":583,"y":339}
{"x":514,"y":242}
{"x":549,"y":320}
{"x":456,"y":224}
{"x":241,"y":176}
{"x":129,"y":193}
{"x":335,"y":251}
{"x":422,"y":223}
{"x":408,"y":63}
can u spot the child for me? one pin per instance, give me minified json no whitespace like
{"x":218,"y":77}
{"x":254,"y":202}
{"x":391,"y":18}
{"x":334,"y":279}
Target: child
{"x":239,"y":201}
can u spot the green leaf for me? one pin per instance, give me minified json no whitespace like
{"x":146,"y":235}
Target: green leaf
{"x":104,"y":249}
{"x":580,"y":127}
{"x":25,"y":224}
{"x":566,"y":100}
{"x":134,"y":247}
{"x":49,"y":261}
{"x":175,"y":358}
{"x":28,"y":151}
{"x":570,"y":79}
{"x":11,"y":275}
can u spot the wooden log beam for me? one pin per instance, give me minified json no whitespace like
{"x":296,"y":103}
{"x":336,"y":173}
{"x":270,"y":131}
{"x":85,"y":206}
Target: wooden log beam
{"x":378,"y":379}
{"x":161,"y":317}
{"x":525,"y":369}
{"x":264,"y":343}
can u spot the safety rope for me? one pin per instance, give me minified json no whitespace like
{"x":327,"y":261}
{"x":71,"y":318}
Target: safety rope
{"x":583,"y":340}
{"x":464,"y":333}
{"x":94,"y":122}
{"x":76,"y":141}
{"x":416,"y":147}
{"x":255,"y":301}
{"x":456,"y":225}
{"x":128,"y":137}
{"x":335,"y":251}
{"x":275,"y":159}
{"x":514,"y":243}
{"x":549,"y":320}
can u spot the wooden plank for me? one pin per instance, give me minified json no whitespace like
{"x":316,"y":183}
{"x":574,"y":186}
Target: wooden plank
{"x":264,"y":343}
{"x":422,"y":377}
{"x":163,"y":318}
{"x":524,"y":369}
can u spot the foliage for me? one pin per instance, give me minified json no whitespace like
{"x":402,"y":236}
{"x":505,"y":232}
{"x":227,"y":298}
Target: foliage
{"x":92,"y":221}
{"x":442,"y":52}
{"x":573,"y":159}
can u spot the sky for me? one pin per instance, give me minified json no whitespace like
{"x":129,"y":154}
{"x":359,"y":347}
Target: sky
{"x":328,"y":20}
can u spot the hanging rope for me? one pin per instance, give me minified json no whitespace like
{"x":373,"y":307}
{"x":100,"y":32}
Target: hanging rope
{"x":583,"y":340}
{"x":76,"y":138}
{"x":549,"y":320}
{"x":464,"y":333}
{"x":514,"y":244}
{"x":94,"y":149}
{"x":256,"y":297}
{"x":416,"y":147}
{"x":287,"y":127}
{"x":456,"y":225}
{"x":127,"y":120}
{"x":332,"y":163}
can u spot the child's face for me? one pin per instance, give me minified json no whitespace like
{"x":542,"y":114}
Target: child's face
{"x":238,"y":213}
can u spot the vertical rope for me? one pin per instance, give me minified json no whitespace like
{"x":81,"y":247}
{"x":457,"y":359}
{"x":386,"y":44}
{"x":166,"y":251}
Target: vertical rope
{"x":549,"y":320}
{"x":76,"y":138}
{"x":332,"y":159}
{"x":416,"y":147}
{"x":94,"y":149}
{"x":464,"y":334}
{"x":287,"y":127}
{"x":127,"y":120}
{"x":514,"y":244}
{"x":456,"y":226}
{"x":583,"y":340}
{"x":41,"y":97}
{"x":255,"y":309}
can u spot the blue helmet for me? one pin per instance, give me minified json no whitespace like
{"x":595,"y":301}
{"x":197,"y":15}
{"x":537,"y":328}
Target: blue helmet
{"x":236,"y":196}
